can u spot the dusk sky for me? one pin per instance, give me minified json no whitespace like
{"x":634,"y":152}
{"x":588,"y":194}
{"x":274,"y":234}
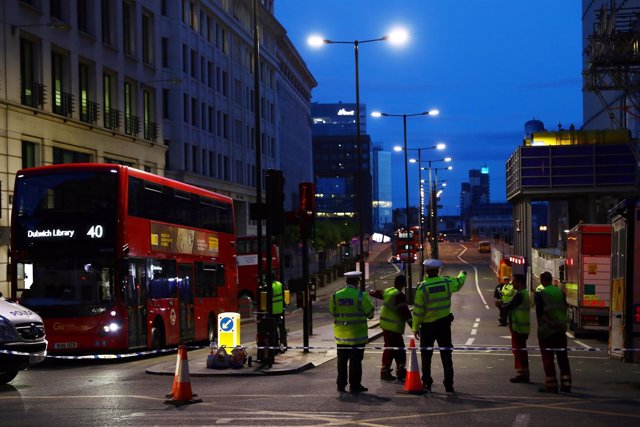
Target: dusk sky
{"x":487,"y":65}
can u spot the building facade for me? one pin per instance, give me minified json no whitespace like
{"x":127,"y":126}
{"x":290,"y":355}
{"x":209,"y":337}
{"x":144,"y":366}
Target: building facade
{"x":161,"y":85}
{"x":209,"y":121}
{"x":343,"y":186}
{"x":382,"y":191}
{"x":78,"y":84}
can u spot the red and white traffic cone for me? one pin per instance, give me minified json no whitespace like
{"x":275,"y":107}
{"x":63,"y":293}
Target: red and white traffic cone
{"x":412,"y":383}
{"x":181,"y":393}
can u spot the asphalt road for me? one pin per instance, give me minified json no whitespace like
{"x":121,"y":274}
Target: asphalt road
{"x":606,"y":392}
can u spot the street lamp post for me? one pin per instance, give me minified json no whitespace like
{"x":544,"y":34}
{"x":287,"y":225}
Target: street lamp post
{"x":439,"y":146}
{"x":406,"y":177}
{"x":433,"y":209}
{"x":432,"y":225}
{"x":396,"y":37}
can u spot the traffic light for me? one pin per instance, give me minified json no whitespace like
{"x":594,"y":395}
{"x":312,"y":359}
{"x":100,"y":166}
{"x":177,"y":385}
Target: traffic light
{"x":307,"y":208}
{"x":275,"y":200}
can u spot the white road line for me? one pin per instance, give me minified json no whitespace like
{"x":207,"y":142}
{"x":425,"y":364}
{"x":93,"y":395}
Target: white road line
{"x":470,"y":341}
{"x":475,"y":325}
{"x":474,"y":331}
{"x":477,"y":319}
{"x":582,"y":344}
{"x":522,"y":420}
{"x":476,"y":275}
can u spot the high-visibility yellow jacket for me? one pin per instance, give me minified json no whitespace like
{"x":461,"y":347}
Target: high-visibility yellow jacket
{"x":351,"y":308}
{"x":433,"y":298}
{"x":508,"y":291}
{"x":520,"y":317}
{"x":552,"y":311}
{"x":277,"y":302}
{"x":390,"y":317}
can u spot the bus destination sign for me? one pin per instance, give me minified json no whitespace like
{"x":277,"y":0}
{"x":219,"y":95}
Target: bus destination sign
{"x":95,"y":231}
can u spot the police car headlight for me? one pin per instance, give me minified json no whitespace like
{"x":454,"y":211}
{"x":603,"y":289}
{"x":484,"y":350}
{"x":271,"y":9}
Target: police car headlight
{"x":7,"y":332}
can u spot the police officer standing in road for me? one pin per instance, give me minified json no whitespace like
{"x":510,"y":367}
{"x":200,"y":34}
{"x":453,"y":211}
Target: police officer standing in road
{"x":432,"y":320}
{"x":518,"y":311}
{"x":497,"y":296}
{"x":351,"y":308}
{"x":551,"y":311}
{"x":393,"y":316}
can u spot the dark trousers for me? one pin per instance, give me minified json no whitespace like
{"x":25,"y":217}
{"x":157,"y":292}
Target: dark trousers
{"x":280,"y":338}
{"x":556,"y":342}
{"x":439,"y":331}
{"x":350,"y":357}
{"x":393,"y":339}
{"x":520,"y":353}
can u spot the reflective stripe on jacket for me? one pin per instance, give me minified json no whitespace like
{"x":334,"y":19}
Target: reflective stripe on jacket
{"x":390,"y":318}
{"x":351,"y":308}
{"x":433,"y":299}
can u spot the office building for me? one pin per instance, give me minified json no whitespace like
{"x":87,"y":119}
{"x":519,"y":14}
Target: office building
{"x":340,"y":195}
{"x":382,"y":191}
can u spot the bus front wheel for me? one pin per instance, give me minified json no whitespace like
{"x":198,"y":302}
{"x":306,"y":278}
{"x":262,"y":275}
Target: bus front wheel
{"x":157,"y":336}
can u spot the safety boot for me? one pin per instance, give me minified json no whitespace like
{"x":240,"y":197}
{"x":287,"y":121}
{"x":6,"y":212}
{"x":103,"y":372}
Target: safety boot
{"x":385,"y":375}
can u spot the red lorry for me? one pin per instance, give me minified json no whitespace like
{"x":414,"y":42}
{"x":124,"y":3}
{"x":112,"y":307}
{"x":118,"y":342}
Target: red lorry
{"x":588,"y":281}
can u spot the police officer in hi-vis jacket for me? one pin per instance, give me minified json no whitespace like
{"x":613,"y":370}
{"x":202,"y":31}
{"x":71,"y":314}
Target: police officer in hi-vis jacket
{"x":351,"y":308}
{"x":432,"y":320}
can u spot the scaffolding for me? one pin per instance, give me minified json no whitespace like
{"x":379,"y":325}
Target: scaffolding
{"x":613,"y":53}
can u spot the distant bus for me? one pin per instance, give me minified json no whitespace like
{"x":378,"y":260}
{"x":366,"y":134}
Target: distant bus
{"x":247,"y":249}
{"x":405,"y":245}
{"x":116,"y":259}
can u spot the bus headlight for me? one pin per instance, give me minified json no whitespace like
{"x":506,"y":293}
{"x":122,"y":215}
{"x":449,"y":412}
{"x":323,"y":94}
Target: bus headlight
{"x":111,"y":328}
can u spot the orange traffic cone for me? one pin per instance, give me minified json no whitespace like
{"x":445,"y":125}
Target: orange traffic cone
{"x":412,"y":383}
{"x":181,"y":392}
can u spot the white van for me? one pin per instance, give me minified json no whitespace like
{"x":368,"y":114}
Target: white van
{"x":22,"y":339}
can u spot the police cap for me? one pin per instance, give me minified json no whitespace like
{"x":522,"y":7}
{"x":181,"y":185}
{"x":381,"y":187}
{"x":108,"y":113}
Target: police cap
{"x":353,"y":276}
{"x":432,"y":263}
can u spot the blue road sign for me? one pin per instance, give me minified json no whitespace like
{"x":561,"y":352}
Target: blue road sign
{"x":226,"y":324}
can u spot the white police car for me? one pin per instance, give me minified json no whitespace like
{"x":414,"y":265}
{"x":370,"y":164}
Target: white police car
{"x":22,"y":339}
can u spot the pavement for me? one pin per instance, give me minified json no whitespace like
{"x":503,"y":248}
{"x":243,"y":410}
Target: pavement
{"x":295,"y":359}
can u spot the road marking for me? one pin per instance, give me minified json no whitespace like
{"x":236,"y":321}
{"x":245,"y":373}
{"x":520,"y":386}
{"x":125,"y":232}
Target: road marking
{"x":522,"y":420}
{"x":474,"y":331}
{"x":582,"y":344}
{"x":475,"y":325}
{"x":470,"y":341}
{"x":476,"y":276}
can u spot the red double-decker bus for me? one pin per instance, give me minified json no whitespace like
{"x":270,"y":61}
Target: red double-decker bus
{"x":247,"y":249}
{"x":116,"y":259}
{"x":406,"y":244}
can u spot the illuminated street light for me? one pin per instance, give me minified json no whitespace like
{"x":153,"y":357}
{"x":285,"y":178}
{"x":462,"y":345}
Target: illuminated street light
{"x":395,"y":37}
{"x":433,"y":206}
{"x":439,"y":146}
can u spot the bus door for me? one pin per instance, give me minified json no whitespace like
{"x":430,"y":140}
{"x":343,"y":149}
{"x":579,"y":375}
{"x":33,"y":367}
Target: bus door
{"x":136,"y":302}
{"x":185,"y":298}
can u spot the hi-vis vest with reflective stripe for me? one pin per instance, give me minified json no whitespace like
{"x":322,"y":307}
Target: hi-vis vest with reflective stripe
{"x":508,"y":291}
{"x":554,"y":319}
{"x":350,"y":308}
{"x":433,"y":299}
{"x":277,"y":306}
{"x":390,"y":319}
{"x":521,"y":315}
